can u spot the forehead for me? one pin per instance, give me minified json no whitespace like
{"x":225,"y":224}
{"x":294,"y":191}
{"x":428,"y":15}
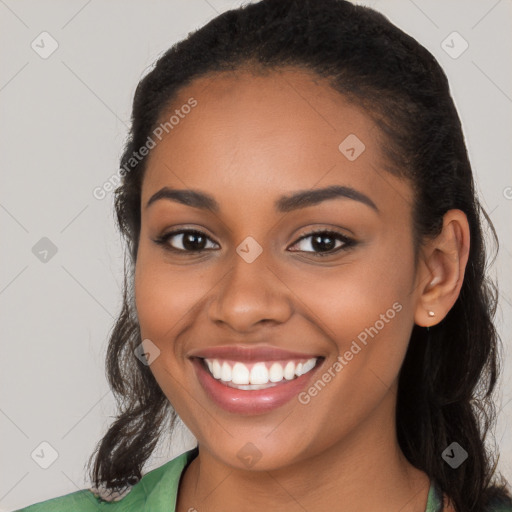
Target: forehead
{"x":254,"y":136}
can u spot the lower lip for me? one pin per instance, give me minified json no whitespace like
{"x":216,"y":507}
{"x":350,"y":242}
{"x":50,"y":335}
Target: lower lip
{"x":247,"y":402}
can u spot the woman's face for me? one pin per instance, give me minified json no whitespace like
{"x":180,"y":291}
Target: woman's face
{"x":265,"y":295}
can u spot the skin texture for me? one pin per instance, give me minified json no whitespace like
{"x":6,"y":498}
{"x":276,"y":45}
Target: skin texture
{"x":250,"y":140}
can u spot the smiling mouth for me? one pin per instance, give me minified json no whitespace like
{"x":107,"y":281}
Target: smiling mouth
{"x":258,"y":375}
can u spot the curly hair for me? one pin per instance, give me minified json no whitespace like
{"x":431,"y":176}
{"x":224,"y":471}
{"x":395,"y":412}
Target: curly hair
{"x":401,"y":86}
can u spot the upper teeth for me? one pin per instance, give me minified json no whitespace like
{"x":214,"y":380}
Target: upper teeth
{"x":259,"y":373}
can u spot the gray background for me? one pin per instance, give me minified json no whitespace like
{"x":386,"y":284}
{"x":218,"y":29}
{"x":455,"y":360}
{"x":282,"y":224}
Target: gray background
{"x":63,"y":122}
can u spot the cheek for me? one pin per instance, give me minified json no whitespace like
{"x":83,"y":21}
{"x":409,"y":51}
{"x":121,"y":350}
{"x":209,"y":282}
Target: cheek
{"x":165,"y":296}
{"x":164,"y":300}
{"x":345,"y":299}
{"x":365,"y":310}
{"x":364,"y":307}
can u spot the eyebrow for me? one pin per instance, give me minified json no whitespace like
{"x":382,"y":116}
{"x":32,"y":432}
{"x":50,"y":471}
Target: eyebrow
{"x":295,"y":201}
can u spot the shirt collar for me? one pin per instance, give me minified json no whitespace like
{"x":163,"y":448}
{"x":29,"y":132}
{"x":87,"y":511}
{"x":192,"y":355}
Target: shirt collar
{"x":165,"y":492}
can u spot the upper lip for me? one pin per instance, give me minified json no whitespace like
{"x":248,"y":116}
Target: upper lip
{"x":249,"y":354}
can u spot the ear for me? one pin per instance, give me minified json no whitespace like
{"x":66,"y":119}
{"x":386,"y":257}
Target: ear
{"x":442,"y":264}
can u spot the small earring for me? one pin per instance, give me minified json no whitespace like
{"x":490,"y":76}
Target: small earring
{"x":431,"y":313}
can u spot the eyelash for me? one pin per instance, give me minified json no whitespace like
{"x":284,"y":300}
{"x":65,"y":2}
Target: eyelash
{"x":347,"y":242}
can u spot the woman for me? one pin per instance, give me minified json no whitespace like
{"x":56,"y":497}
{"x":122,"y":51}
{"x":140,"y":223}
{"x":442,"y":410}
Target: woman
{"x":306,"y":284}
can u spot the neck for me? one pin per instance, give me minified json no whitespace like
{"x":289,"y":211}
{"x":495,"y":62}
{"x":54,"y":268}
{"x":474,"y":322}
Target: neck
{"x":366,"y":470}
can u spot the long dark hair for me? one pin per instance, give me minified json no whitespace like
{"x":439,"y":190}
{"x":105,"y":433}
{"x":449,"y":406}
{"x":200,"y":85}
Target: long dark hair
{"x":449,"y":372}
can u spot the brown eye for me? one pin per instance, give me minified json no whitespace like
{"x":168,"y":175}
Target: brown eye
{"x":324,"y":242}
{"x":185,"y":240}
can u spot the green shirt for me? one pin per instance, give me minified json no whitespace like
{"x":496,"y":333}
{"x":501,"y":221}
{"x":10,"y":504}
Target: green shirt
{"x":157,"y":491}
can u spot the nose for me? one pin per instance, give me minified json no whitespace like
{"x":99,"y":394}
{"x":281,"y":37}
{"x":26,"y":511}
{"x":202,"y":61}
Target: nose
{"x":250,"y":295}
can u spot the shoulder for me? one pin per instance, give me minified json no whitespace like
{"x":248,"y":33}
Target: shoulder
{"x":437,"y":501}
{"x":157,"y":488}
{"x":81,"y":501}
